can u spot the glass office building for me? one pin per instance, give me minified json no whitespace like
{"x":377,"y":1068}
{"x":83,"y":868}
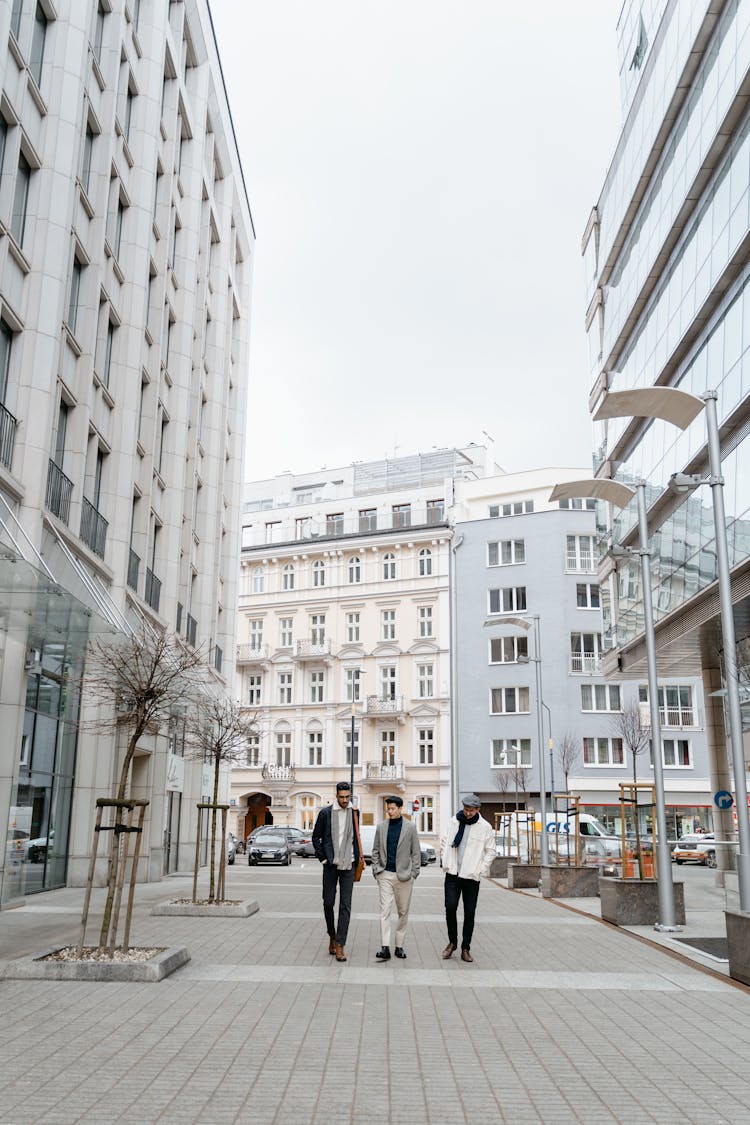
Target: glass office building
{"x":667,"y":262}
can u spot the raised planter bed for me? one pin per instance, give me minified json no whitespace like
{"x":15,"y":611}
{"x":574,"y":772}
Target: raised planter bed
{"x":562,"y":881}
{"x":207,"y":909}
{"x":738,"y":943}
{"x":499,"y":868}
{"x":156,"y":968}
{"x":523,"y":875}
{"x":635,"y":902}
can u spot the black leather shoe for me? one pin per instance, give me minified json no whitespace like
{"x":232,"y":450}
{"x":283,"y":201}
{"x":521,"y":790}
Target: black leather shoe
{"x":383,"y":954}
{"x":399,"y":951}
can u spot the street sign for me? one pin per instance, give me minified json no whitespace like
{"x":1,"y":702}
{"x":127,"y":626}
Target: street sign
{"x":723,"y":799}
{"x":415,"y":805}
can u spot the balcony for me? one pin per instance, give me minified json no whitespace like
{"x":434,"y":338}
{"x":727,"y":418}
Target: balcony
{"x":7,"y":436}
{"x":191,"y":630}
{"x":378,"y":707}
{"x":581,"y":564}
{"x":283,"y":774}
{"x":252,"y":654}
{"x":375,"y":773}
{"x":152,"y":591}
{"x":312,"y":650}
{"x":59,"y":491}
{"x":93,"y":528}
{"x":586,"y":663}
{"x":134,"y":566}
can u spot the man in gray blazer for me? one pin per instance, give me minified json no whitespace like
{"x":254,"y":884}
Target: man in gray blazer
{"x":396,"y":862}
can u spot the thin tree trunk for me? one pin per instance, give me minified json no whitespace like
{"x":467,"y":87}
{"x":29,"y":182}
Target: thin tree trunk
{"x":215,"y":799}
{"x":635,"y":815}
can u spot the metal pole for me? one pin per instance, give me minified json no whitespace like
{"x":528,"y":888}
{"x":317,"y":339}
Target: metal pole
{"x":351,"y":753}
{"x":540,"y":735}
{"x":665,"y":887}
{"x":550,"y":747}
{"x":734,"y":714}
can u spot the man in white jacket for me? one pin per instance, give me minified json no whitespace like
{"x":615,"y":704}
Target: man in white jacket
{"x":467,"y":851}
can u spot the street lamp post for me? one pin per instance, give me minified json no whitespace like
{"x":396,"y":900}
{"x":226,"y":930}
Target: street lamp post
{"x":681,"y":408}
{"x":620,"y":495}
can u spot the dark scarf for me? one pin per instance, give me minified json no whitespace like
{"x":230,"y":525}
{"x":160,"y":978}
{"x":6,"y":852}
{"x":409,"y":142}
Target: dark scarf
{"x":462,"y":822}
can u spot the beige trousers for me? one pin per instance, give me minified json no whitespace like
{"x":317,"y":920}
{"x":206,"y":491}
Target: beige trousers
{"x":391,"y":888}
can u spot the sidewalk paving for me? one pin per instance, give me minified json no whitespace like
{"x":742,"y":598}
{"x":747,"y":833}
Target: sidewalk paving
{"x":562,"y":1018}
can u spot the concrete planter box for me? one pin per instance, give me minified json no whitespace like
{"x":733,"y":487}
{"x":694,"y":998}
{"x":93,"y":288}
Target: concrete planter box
{"x":569,"y":882}
{"x":635,"y":902}
{"x":499,"y":868}
{"x":155,"y":969}
{"x":738,"y":942}
{"x":204,"y":910}
{"x":521,"y":875}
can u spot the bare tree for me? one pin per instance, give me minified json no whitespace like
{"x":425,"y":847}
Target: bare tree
{"x":218,"y":731}
{"x":568,"y":753}
{"x":137,"y":681}
{"x":628,"y":725}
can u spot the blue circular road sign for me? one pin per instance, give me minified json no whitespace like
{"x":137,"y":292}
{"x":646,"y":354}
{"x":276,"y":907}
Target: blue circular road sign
{"x":723,"y":799}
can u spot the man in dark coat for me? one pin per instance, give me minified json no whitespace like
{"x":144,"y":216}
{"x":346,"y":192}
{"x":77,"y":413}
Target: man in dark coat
{"x":336,"y":842}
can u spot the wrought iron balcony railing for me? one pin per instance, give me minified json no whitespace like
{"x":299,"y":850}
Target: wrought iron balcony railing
{"x":7,"y":436}
{"x":59,"y":491}
{"x":309,"y":650}
{"x":376,"y":771}
{"x":272,"y":772}
{"x":377,"y":705}
{"x":134,"y":566}
{"x":152,"y":591}
{"x":587,"y":663}
{"x":252,"y":654}
{"x":93,"y":528}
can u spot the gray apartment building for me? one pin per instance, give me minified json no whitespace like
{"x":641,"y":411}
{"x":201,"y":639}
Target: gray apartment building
{"x":526,"y":589}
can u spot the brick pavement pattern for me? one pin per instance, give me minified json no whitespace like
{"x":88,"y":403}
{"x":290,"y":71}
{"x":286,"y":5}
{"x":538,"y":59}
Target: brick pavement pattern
{"x":560,"y":1019}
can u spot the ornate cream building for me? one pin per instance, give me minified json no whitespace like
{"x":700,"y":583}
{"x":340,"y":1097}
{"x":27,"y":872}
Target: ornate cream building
{"x":344,"y":607}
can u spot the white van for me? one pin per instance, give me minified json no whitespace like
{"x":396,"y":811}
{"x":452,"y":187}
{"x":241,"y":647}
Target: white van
{"x":597,"y":845}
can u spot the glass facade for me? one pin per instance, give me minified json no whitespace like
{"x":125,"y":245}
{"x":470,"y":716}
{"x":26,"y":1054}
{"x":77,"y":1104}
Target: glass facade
{"x":40,"y":809}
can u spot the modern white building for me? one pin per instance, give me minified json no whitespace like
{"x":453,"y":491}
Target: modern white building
{"x":344,"y":609}
{"x":126,"y":254}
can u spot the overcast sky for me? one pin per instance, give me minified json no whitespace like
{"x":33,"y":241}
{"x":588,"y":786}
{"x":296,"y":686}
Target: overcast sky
{"x":420,"y":174}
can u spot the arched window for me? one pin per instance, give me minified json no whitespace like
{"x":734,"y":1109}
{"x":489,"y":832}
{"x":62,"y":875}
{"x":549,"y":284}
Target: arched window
{"x":425,"y":562}
{"x":287,"y":577}
{"x":319,"y":573}
{"x":355,"y":569}
{"x":425,"y":818}
{"x":389,"y":566}
{"x":259,"y":580}
{"x":306,"y":809}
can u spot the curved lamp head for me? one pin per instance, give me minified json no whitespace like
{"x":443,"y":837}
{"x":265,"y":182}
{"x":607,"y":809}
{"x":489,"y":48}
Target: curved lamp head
{"x":593,"y":488}
{"x":669,"y":403}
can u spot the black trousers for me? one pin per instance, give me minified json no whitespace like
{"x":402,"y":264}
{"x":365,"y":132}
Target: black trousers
{"x":456,"y":889}
{"x":344,"y":880}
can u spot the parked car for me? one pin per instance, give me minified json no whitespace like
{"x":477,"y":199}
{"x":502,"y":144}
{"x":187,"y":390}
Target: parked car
{"x":239,"y":845}
{"x":269,"y":848}
{"x":231,"y":850}
{"x":300,"y":842}
{"x":428,"y":854}
{"x":695,"y":849}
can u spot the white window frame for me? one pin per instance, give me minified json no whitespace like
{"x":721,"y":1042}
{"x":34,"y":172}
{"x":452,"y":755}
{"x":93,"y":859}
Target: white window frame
{"x":580,"y":554}
{"x":252,"y":753}
{"x":317,"y":628}
{"x":388,"y":746}
{"x":286,"y":632}
{"x":389,"y":566}
{"x":426,"y":681}
{"x":508,"y":648}
{"x":347,"y":746}
{"x":353,"y":685}
{"x":317,"y":685}
{"x":307,"y":811}
{"x":387,"y":624}
{"x":256,"y":633}
{"x":506,"y":552}
{"x":613,"y":750}
{"x":507,"y":753}
{"x":319,"y":573}
{"x":426,"y":746}
{"x":518,"y":697}
{"x":585,"y":661}
{"x":282,"y":745}
{"x":287,"y":577}
{"x":611,"y":692}
{"x":254,"y":690}
{"x":387,"y":679}
{"x":588,"y":588}
{"x":315,"y":747}
{"x":425,"y":621}
{"x":259,"y":580}
{"x":352,"y":627}
{"x":425,"y":818}
{"x":286,"y":687}
{"x":673,"y":712}
{"x":673,"y":744}
{"x":510,"y":599}
{"x":425,"y":562}
{"x":354,"y":570}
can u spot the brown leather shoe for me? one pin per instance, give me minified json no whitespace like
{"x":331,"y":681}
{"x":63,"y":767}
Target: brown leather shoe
{"x":449,"y":950}
{"x":332,"y":946}
{"x":339,"y":951}
{"x":466,"y":956}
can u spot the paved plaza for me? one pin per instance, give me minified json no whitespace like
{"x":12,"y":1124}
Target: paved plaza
{"x":561,"y":1018}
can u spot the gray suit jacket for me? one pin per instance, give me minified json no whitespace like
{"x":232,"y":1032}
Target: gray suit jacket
{"x":408,"y":853}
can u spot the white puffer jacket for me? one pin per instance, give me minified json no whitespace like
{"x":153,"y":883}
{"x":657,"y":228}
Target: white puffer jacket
{"x":479,"y":853}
